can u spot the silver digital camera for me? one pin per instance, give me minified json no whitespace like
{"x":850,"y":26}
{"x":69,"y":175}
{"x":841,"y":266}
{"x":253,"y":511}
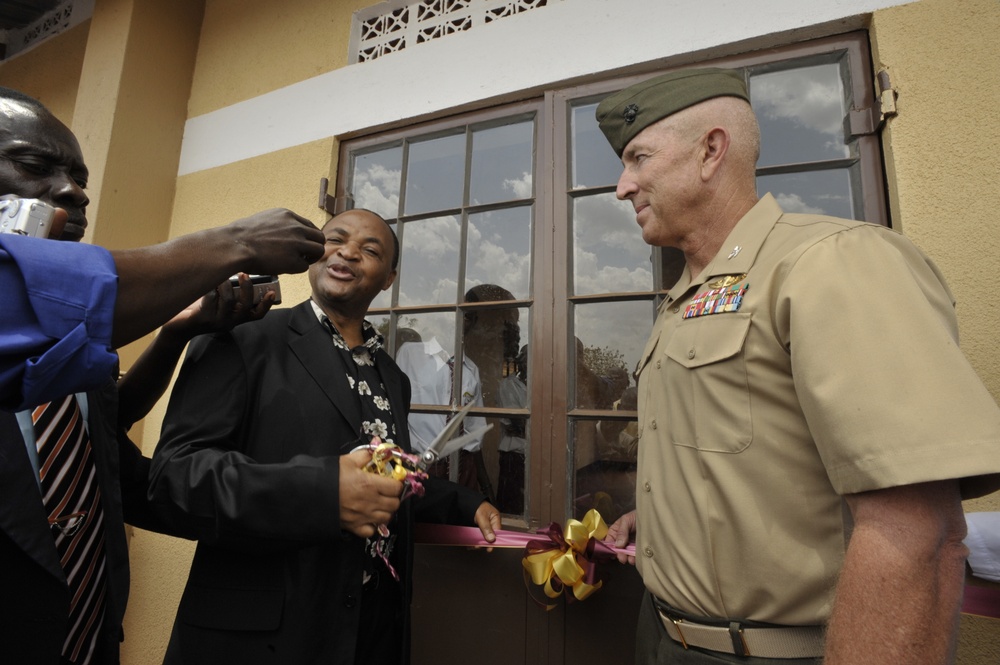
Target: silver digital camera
{"x":26,"y":217}
{"x":261,"y":285}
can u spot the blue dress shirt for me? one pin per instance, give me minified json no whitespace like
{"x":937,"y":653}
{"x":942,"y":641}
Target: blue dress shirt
{"x":57,"y":303}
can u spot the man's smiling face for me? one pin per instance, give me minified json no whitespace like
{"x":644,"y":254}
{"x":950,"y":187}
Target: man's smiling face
{"x":357,"y":264}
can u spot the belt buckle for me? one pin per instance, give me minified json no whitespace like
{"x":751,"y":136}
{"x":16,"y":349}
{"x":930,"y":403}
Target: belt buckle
{"x":677,"y":624}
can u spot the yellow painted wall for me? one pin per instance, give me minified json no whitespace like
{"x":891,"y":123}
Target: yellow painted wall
{"x":943,"y":157}
{"x":944,"y":150}
{"x":50,"y":72}
{"x":254,"y":46}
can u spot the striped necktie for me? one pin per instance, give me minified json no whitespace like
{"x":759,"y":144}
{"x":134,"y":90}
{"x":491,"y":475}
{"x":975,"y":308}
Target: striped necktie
{"x":72,"y":503}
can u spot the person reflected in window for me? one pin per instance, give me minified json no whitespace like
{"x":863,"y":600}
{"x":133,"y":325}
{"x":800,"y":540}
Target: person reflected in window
{"x":491,"y":337}
{"x":432,"y":374}
{"x":513,"y":394}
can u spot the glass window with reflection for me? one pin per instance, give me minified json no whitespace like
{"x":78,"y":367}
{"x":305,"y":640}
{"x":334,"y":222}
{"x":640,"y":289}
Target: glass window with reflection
{"x":525,"y":286}
{"x":612,"y":305}
{"x":461,"y":200}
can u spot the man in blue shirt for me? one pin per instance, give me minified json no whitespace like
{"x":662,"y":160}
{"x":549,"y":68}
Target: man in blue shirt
{"x":66,"y":307}
{"x":58,"y":326}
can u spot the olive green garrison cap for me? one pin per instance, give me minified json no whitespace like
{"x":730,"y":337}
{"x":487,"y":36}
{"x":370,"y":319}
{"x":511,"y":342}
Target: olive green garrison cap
{"x":626,"y":113}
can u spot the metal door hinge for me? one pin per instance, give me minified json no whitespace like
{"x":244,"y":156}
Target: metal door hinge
{"x":866,"y":121}
{"x":886,"y":96}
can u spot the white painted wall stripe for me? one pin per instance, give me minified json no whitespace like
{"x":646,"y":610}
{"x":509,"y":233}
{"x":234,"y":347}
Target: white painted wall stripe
{"x":537,"y":48}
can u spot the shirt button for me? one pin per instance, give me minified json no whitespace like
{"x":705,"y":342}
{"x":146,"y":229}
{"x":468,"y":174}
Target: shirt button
{"x":657,"y":364}
{"x":350,"y":601}
{"x":652,"y":424}
{"x":648,"y":551}
{"x":675,"y":309}
{"x":647,"y":487}
{"x":690,"y":354}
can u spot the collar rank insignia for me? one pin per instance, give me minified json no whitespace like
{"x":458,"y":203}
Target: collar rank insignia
{"x":723,"y":298}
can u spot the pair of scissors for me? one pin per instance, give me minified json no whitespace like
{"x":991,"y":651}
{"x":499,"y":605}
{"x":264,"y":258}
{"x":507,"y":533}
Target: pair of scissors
{"x":444,"y":445}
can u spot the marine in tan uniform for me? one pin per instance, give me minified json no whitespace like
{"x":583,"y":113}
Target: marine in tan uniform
{"x":807,"y":422}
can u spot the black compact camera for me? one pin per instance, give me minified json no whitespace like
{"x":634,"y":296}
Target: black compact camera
{"x":26,"y":217}
{"x":261,"y":285}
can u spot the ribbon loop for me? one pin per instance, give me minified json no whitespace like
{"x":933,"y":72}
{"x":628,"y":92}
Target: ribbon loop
{"x":566,"y":562}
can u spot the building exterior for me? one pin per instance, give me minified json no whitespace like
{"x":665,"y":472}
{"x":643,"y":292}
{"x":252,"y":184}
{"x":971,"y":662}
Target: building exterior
{"x":469,"y":124}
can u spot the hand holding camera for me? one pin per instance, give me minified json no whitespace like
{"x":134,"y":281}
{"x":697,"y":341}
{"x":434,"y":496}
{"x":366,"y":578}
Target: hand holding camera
{"x":28,"y":217}
{"x":262,"y":284}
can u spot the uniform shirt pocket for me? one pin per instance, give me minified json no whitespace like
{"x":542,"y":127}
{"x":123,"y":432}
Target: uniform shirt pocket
{"x":707,"y":385}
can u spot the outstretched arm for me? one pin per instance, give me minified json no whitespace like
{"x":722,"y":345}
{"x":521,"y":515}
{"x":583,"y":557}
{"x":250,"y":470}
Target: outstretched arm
{"x":154,"y":283}
{"x":219,"y":310}
{"x":900,"y":589}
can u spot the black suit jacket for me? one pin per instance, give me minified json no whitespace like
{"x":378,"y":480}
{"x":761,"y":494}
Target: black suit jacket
{"x":34,"y":604}
{"x":248,"y":463}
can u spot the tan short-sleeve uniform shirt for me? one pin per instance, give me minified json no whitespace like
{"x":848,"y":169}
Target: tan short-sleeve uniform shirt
{"x":828,"y":365}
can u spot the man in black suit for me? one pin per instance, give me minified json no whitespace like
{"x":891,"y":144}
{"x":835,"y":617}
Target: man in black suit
{"x":255,"y":462}
{"x":40,"y":158}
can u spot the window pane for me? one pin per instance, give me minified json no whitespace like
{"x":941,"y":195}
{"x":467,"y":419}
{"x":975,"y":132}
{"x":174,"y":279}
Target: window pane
{"x":609,"y":254}
{"x":437,"y":328}
{"x":595,"y":164}
{"x":610,"y":338}
{"x":434,"y":374}
{"x":375,"y":181}
{"x":499,"y":250}
{"x":381,"y":324}
{"x":492,"y":340}
{"x":513,"y":449}
{"x":801,"y":113}
{"x":819,"y":192}
{"x":428,"y":269}
{"x":493,"y":345}
{"x":435,"y":175}
{"x":507,"y":463}
{"x":502,"y":163}
{"x":384,"y":299}
{"x":604,"y":476}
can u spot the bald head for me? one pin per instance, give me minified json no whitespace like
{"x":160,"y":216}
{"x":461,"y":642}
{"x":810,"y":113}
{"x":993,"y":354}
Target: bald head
{"x":41,"y":159}
{"x":733,"y":115}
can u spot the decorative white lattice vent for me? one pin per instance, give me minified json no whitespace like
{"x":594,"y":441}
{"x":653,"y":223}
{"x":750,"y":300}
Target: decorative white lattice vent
{"x":66,"y":15}
{"x":398,"y":24}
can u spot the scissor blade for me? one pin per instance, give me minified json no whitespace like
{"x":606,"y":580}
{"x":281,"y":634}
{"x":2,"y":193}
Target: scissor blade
{"x":450,"y":428}
{"x":458,"y":442}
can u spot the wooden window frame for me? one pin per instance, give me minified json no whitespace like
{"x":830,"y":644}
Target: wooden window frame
{"x":549,"y":472}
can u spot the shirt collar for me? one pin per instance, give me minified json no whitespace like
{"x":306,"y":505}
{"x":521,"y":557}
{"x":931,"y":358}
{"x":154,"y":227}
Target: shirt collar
{"x":740,"y":249}
{"x":373,"y":340}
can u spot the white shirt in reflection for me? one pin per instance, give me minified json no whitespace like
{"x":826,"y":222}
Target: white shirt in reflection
{"x":427,"y":365}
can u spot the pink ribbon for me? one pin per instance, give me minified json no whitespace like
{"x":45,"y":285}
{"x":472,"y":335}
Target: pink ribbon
{"x":471,"y":536}
{"x":981,"y":601}
{"x":556,"y":562}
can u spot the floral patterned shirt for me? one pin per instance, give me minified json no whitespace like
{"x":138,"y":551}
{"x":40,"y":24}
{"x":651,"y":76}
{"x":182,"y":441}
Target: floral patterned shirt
{"x":376,"y":414}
